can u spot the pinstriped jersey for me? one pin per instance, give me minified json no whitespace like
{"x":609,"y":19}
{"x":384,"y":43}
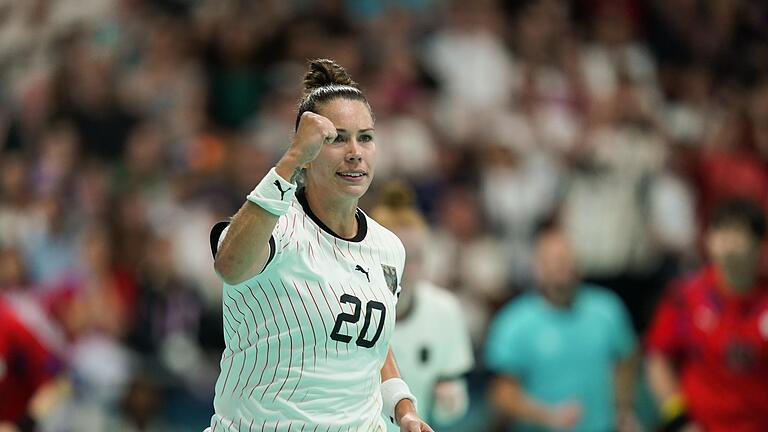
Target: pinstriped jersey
{"x":306,"y":338}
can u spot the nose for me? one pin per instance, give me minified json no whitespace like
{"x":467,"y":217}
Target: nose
{"x":354,"y":153}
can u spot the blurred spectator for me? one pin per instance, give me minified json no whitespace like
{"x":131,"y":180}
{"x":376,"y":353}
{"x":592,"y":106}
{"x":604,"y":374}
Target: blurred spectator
{"x":140,"y":410}
{"x":468,"y":58}
{"x":466,"y":259}
{"x":730,"y":165}
{"x":562,"y":354}
{"x":606,"y":202}
{"x":17,"y":206}
{"x":166,"y":330}
{"x":236,"y":81}
{"x":709,"y":335}
{"x":100,"y":297}
{"x":167,"y":84}
{"x":50,"y":248}
{"x":519,"y":186}
{"x":431,"y":342}
{"x":18,"y":294}
{"x":87,"y":96}
{"x":26,"y":365}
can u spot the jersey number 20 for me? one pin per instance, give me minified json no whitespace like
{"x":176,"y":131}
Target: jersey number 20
{"x":355,"y":317}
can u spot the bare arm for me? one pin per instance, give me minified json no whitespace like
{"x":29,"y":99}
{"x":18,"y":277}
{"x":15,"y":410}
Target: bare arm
{"x":389,"y":370}
{"x":508,"y":395}
{"x":662,"y":378}
{"x":245,"y":248}
{"x":666,"y":389}
{"x":405,"y":411}
{"x":625,"y":382}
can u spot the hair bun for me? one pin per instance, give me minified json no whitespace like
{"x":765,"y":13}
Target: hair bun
{"x":325,"y":72}
{"x":396,"y":196}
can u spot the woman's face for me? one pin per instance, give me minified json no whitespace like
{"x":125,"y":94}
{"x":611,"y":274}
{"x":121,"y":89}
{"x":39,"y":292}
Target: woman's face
{"x":414,"y":239}
{"x":345,"y":167}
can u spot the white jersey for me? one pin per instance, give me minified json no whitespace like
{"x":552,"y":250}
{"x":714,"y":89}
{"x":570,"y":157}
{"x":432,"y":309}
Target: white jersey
{"x":307,"y":337}
{"x":431,"y":344}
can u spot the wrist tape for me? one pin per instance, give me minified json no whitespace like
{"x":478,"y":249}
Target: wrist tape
{"x":273,"y":193}
{"x":393,"y":391}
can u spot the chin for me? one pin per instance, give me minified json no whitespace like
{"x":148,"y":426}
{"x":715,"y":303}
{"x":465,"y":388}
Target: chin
{"x":356,"y":191}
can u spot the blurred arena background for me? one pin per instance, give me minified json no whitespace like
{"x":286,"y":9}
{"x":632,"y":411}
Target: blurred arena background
{"x":128,"y":127}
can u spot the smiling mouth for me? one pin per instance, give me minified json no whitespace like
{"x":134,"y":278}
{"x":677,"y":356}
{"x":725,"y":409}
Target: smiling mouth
{"x":352,"y":175}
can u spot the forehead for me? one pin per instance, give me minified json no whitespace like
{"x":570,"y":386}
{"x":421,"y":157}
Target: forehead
{"x":552,"y":240}
{"x":731,"y":228}
{"x":348,"y":114}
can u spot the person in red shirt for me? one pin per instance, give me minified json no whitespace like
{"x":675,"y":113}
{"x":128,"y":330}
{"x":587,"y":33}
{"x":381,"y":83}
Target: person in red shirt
{"x":708,"y":345}
{"x":26,"y":365}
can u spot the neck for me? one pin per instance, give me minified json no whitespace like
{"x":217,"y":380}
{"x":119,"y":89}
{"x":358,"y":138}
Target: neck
{"x":559,"y":302}
{"x":737,"y":282}
{"x":337,"y":214}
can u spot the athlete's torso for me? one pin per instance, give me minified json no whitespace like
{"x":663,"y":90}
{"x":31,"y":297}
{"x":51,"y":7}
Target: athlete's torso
{"x":307,"y":337}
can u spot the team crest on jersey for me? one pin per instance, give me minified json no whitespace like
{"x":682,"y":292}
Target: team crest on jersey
{"x":390,"y":275}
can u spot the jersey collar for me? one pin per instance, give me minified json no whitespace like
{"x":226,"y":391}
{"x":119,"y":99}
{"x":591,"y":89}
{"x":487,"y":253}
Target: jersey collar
{"x":362,"y":223}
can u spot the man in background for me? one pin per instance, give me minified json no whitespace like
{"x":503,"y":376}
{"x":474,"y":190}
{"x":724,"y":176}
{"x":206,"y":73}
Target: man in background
{"x":708,"y":345}
{"x":562,"y":353}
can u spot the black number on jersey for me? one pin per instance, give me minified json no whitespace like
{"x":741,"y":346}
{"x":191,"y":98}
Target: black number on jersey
{"x":345,"y":317}
{"x":369,"y":307}
{"x":355,"y":317}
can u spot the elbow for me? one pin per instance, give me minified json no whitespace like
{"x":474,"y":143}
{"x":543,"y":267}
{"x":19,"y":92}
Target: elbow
{"x":226,"y":271}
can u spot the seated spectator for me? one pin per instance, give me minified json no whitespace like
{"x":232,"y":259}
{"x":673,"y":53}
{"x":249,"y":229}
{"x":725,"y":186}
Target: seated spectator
{"x":708,"y":345}
{"x":561,"y":350}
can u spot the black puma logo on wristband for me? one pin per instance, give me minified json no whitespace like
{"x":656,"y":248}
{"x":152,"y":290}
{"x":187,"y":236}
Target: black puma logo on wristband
{"x":282,"y":192}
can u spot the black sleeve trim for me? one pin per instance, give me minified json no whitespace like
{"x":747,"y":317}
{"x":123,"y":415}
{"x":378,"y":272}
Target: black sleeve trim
{"x":272,"y":248}
{"x":216,"y":231}
{"x":458,"y":376}
{"x":219,"y":228}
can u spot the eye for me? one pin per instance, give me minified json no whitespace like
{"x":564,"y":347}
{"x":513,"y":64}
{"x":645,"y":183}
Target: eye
{"x":366,"y":138}
{"x":340,"y":138}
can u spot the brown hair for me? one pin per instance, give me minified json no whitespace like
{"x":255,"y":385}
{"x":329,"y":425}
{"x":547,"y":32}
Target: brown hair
{"x":326,"y":80}
{"x":396,"y":208}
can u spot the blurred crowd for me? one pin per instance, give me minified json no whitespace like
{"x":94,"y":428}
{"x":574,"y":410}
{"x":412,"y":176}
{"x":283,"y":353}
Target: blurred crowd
{"x":129,"y":127}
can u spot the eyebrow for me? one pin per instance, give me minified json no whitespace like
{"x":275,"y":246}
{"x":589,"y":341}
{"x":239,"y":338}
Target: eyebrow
{"x":361,"y":130}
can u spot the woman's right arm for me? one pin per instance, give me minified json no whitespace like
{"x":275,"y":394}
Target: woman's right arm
{"x":245,"y":248}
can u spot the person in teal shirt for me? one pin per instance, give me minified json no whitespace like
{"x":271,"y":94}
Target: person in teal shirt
{"x":563,"y":354}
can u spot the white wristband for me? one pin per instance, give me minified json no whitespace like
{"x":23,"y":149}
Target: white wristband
{"x":393,"y":391}
{"x":273,"y":193}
